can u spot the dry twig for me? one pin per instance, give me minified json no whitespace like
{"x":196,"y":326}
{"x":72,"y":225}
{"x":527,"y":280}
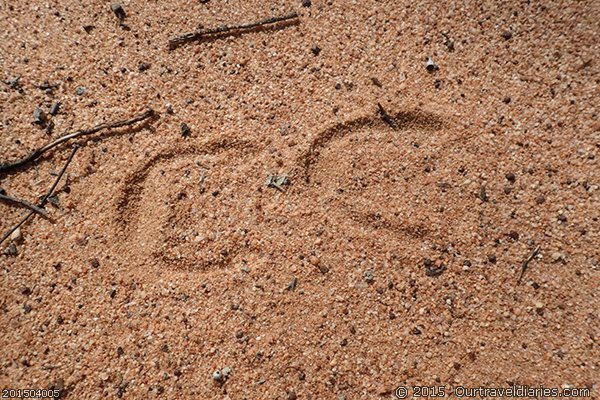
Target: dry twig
{"x":525,"y":264}
{"x":45,"y":198}
{"x":23,"y":203}
{"x":201,"y":33}
{"x":10,"y":165}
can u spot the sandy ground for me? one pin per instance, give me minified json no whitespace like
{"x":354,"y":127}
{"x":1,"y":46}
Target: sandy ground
{"x":391,"y":257}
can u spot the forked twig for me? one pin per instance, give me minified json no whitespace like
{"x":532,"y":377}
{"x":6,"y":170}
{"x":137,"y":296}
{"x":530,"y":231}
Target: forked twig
{"x":45,"y":198}
{"x":10,"y":165}
{"x":23,"y":203}
{"x":199,"y":34}
{"x":527,"y":261}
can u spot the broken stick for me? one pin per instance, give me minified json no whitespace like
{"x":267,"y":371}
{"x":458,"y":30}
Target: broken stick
{"x":527,"y":261}
{"x":201,"y":33}
{"x":45,"y":198}
{"x":23,"y":203}
{"x":10,"y":165}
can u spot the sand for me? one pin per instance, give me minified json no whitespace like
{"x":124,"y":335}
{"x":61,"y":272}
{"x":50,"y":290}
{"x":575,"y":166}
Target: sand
{"x":392,"y":254}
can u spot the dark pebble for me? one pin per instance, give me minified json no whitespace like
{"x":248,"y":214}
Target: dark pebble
{"x":39,"y":117}
{"x":49,"y":127}
{"x":483,"y":194}
{"x":118,"y":10}
{"x":431,"y":269}
{"x":562,"y":218}
{"x":239,"y":334}
{"x":302,"y":376}
{"x":185,"y":130}
{"x":540,"y":199}
{"x":316,"y":50}
{"x":376,"y":82}
{"x":292,"y":395}
{"x":112,"y":293}
{"x":513,"y":235}
{"x":95,"y":263}
{"x":416,"y":331}
{"x":492,"y":259}
{"x":306,"y":3}
{"x":27,"y":308}
{"x":507,"y":100}
{"x":25,"y":291}
{"x":88,"y":28}
{"x":510,"y":177}
{"x":143,"y":66}
{"x":79,"y":90}
{"x":507,"y":35}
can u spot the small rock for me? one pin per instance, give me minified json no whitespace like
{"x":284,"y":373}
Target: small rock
{"x":316,"y":50}
{"x":430,"y":65}
{"x":540,"y":199}
{"x":292,"y":285}
{"x":169,"y":108}
{"x":483,"y":194}
{"x":368,"y":276}
{"x":11,"y":250}
{"x":433,"y":270}
{"x":557,"y":256}
{"x":118,"y":10}
{"x":39,"y":117}
{"x":292,"y":395}
{"x":507,"y":35}
{"x":513,"y":235}
{"x":376,"y":82}
{"x":217,"y":376}
{"x":562,"y":218}
{"x":27,"y":308}
{"x":55,"y":108}
{"x":80,"y":90}
{"x":88,"y":28}
{"x":306,"y":3}
{"x":95,"y":263}
{"x":185,"y":130}
{"x":510,"y":177}
{"x":492,"y":259}
{"x":143,"y":66}
{"x":507,"y":100}
{"x":227,"y":371}
{"x":16,"y":235}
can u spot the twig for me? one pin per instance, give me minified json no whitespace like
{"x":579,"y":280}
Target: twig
{"x":387,"y":118}
{"x":527,"y":261}
{"x":199,"y":34}
{"x":23,"y":203}
{"x":10,"y":165}
{"x":45,"y":198}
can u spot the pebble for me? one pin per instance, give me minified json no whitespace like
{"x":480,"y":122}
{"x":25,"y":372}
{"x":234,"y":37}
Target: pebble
{"x":430,"y":65}
{"x":510,"y":177}
{"x":39,"y":117}
{"x":16,"y":235}
{"x":316,"y":50}
{"x":118,"y":10}
{"x":507,"y":35}
{"x":55,"y":108}
{"x":143,"y":66}
{"x":227,"y":371}
{"x":80,"y":90}
{"x":217,"y":376}
{"x":368,"y":276}
{"x":306,"y":3}
{"x":185,"y":129}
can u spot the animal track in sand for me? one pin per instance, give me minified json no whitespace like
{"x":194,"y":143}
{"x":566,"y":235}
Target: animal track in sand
{"x":199,"y":208}
{"x":398,"y":182}
{"x":190,"y":207}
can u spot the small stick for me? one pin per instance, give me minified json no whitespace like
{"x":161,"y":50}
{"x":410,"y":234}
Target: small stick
{"x":10,"y":165}
{"x":199,"y":34}
{"x":23,"y":203}
{"x":387,"y":118}
{"x":45,"y":198}
{"x":527,"y":261}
